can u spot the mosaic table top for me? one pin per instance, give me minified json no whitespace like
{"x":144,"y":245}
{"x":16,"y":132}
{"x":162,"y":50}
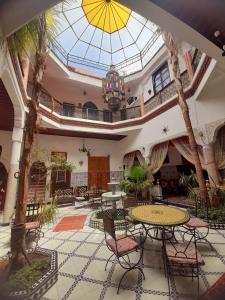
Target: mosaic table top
{"x":159,"y":215}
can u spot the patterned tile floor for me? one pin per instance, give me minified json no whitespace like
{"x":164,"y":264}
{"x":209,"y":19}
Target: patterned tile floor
{"x":82,"y":256}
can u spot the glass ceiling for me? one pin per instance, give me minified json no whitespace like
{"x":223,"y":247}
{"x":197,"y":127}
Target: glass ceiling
{"x":98,"y":33}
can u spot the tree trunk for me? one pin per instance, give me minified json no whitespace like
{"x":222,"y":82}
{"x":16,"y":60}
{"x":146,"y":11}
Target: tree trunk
{"x":173,"y":52}
{"x":18,"y":246}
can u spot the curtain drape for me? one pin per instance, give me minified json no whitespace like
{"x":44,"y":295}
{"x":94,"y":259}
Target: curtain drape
{"x":158,"y":156}
{"x":183,"y":147}
{"x":140,"y":158}
{"x":219,"y":148}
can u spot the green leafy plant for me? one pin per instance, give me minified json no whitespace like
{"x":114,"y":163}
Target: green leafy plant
{"x":25,"y":277}
{"x":139,"y":178}
{"x":190,"y":183}
{"x":217,"y":215}
{"x":48,"y":211}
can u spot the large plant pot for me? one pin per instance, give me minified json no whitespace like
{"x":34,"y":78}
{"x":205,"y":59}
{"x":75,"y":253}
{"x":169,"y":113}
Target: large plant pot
{"x":47,"y":280}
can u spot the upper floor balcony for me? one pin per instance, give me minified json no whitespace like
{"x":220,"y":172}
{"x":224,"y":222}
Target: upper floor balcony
{"x":72,"y":113}
{"x":78,"y":112}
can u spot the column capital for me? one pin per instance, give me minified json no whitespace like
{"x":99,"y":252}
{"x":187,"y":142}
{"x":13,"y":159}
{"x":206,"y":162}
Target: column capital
{"x":207,"y":134}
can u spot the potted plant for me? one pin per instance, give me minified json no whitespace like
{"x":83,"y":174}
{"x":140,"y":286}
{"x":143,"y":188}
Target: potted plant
{"x":139,"y":180}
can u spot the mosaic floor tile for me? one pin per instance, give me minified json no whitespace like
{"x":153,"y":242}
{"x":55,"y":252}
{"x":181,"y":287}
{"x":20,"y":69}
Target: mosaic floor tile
{"x":96,"y":270}
{"x":74,"y":265}
{"x":123,"y":295}
{"x":83,"y":254}
{"x":68,"y":246}
{"x":86,"y":291}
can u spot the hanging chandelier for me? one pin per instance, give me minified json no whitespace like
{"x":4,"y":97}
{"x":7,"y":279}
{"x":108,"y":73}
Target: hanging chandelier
{"x":113,"y":89}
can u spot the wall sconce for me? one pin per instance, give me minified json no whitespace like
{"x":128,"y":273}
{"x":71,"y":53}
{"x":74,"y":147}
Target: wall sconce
{"x":81,"y":162}
{"x":165,"y":129}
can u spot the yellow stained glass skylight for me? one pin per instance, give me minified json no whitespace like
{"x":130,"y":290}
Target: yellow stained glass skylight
{"x":107,"y":15}
{"x":98,"y":33}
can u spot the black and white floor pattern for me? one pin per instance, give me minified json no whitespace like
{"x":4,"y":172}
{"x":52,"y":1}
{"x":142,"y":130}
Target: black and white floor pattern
{"x":82,"y":256}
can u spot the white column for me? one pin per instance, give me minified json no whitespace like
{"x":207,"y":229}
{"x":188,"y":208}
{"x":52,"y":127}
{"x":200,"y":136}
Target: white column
{"x":211,"y":166}
{"x":12,"y":182}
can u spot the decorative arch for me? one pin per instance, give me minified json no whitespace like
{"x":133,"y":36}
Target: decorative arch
{"x":90,"y":110}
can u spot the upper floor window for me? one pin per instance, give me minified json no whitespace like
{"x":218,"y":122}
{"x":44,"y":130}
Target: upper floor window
{"x":161,"y":78}
{"x":68,"y":109}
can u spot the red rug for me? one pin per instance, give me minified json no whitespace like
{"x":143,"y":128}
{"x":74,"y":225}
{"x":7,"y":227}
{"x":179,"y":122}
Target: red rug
{"x":70,"y":223}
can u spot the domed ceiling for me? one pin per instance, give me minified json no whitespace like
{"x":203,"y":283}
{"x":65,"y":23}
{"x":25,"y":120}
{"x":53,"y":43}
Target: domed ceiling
{"x":98,"y":33}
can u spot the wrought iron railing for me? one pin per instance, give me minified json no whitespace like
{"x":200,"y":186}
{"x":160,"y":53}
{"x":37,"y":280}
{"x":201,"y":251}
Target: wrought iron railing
{"x":166,"y":93}
{"x":73,"y":111}
{"x":196,"y":59}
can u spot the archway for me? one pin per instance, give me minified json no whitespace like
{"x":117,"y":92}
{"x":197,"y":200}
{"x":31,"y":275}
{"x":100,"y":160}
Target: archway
{"x":90,"y":110}
{"x":3,"y":185}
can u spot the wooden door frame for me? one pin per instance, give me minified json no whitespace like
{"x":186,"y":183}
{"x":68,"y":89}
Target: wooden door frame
{"x":98,"y":171}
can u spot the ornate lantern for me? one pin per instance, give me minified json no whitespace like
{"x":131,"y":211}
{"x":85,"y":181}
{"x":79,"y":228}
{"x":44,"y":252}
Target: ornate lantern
{"x":113,"y":89}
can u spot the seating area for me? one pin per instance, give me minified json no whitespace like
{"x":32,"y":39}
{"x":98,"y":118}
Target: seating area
{"x":89,"y":262}
{"x":112,"y":150}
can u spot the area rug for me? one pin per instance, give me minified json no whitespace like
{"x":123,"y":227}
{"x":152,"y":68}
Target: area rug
{"x":70,"y":223}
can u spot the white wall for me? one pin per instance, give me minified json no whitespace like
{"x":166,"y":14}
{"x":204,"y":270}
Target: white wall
{"x":6,"y":143}
{"x":71,"y":145}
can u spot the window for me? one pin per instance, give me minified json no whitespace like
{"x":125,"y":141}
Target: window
{"x":60,"y":176}
{"x":68,"y":109}
{"x":161,"y":78}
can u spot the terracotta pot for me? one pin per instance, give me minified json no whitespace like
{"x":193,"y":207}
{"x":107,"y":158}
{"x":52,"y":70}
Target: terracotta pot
{"x":215,"y":201}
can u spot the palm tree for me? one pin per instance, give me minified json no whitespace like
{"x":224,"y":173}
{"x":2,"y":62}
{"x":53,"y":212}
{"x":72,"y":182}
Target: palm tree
{"x":173,"y":53}
{"x":32,"y":39}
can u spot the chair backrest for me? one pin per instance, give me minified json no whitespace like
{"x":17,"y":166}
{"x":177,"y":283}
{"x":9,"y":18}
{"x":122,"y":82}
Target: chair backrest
{"x":33,"y":212}
{"x":139,"y":203}
{"x":189,"y":236}
{"x":81,"y":190}
{"x":108,"y":222}
{"x":129,"y":202}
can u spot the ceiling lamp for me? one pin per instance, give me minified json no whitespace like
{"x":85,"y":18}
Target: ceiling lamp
{"x":113,"y":89}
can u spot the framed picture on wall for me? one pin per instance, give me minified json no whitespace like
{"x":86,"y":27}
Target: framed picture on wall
{"x":58,"y":156}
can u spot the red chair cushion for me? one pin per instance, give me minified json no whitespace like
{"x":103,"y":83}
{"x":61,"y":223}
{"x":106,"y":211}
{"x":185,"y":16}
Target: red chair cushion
{"x":32,"y":225}
{"x":197,"y":223}
{"x":175,"y":255}
{"x":124,"y":244}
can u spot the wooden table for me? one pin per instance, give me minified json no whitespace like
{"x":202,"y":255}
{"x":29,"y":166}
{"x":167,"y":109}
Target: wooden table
{"x":160,"y":217}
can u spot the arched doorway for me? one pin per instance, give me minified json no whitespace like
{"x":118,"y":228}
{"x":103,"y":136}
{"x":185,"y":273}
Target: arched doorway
{"x":37,"y":184}
{"x":90,"y":110}
{"x":3,"y":185}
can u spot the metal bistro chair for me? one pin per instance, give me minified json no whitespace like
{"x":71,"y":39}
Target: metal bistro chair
{"x":121,"y":246}
{"x":33,"y":223}
{"x":182,"y":258}
{"x":198,"y":224}
{"x":129,"y":203}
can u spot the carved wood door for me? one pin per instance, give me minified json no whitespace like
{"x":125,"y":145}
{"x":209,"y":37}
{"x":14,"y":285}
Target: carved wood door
{"x":98,"y":172}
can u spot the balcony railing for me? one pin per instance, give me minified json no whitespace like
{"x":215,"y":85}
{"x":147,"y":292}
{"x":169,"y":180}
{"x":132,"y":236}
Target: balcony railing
{"x":73,"y":111}
{"x":166,"y":93}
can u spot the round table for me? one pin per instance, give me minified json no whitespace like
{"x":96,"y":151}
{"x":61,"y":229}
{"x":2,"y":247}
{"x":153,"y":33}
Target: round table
{"x":160,"y":216}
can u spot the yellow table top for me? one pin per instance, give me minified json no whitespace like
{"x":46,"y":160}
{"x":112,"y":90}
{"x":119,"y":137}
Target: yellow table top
{"x":159,"y":215}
